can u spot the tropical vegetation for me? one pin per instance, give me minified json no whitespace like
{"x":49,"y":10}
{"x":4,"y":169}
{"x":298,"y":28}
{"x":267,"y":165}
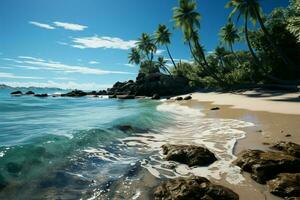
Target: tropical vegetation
{"x":272,"y":54}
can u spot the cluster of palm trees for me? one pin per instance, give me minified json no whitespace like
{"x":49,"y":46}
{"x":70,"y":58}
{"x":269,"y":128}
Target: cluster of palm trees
{"x":187,"y":19}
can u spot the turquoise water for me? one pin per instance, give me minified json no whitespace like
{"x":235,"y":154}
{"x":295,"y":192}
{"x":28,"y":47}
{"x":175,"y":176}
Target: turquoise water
{"x":65,"y":147}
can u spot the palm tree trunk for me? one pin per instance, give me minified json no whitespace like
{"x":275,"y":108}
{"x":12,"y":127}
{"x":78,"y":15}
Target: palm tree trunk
{"x":234,"y":54}
{"x":285,"y":59}
{"x":168,"y":50}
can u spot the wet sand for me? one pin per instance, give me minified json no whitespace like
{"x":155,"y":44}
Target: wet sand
{"x":270,"y":127}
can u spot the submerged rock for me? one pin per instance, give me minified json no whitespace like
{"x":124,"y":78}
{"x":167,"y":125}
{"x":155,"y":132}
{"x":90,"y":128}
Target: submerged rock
{"x":193,"y":188}
{"x":285,"y":185}
{"x":187,"y":98}
{"x":129,"y":128}
{"x":288,"y":147}
{"x":13,"y":168}
{"x":264,"y":166}
{"x":41,"y":95}
{"x":188,"y":154}
{"x":16,"y":93}
{"x":3,"y":182}
{"x":29,"y":93}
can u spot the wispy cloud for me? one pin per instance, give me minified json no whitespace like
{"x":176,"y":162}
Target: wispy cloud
{"x":103,"y":42}
{"x":64,"y":78}
{"x":70,"y":26}
{"x":31,"y":58}
{"x":62,"y":85}
{"x":42,"y":25}
{"x":160,"y":51}
{"x":93,"y":62}
{"x":12,"y":76}
{"x":130,"y":65}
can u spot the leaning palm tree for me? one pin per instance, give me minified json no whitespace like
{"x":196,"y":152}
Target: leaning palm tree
{"x":187,"y":19}
{"x":162,"y":37}
{"x":250,"y":9}
{"x":161,"y":62}
{"x":146,"y":45}
{"x":229,"y":35}
{"x":134,"y":56}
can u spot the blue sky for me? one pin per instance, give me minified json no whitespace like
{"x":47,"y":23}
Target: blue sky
{"x":84,"y":43}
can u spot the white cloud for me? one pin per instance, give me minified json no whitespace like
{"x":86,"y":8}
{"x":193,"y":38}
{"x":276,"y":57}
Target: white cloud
{"x":31,"y":58}
{"x":65,"y":85}
{"x":130,"y":65}
{"x":64,"y":78}
{"x":70,"y":26}
{"x":62,"y":43}
{"x":93,"y":62}
{"x":41,"y":25}
{"x":160,"y":51}
{"x":9,"y":75}
{"x":103,"y":42}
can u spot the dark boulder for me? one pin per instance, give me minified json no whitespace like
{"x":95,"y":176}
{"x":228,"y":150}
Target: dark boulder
{"x":189,"y":154}
{"x":264,"y":166}
{"x":92,"y":93}
{"x":215,"y":108}
{"x":41,"y":95}
{"x":155,"y":96}
{"x":102,"y":92}
{"x":178,"y":98}
{"x":3,"y":182}
{"x":75,"y":93}
{"x":16,"y":93}
{"x":192,"y":188}
{"x":285,"y":185}
{"x":29,"y":93}
{"x":125,"y":96}
{"x":290,"y":148}
{"x":187,"y":98}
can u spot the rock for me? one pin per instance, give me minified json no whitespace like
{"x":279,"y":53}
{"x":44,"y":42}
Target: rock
{"x":75,"y":93}
{"x":288,"y":135}
{"x":129,"y":128}
{"x":189,"y":154}
{"x":285,"y":185}
{"x":155,"y":96}
{"x":178,"y":99}
{"x":16,"y":93}
{"x":29,"y":93}
{"x":41,"y":95}
{"x":264,"y":166}
{"x":112,"y":96}
{"x":187,"y":98}
{"x":13,"y":168}
{"x":102,"y":92}
{"x":215,"y":108}
{"x":126,"y":96}
{"x":288,"y":147}
{"x":3,"y":182}
{"x":192,"y":188}
{"x":92,"y":93}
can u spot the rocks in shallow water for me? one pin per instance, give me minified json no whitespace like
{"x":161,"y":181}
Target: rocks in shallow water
{"x":112,"y":96}
{"x":264,"y":166}
{"x":285,"y":185}
{"x":178,"y":99}
{"x":13,"y":168}
{"x":129,"y":128}
{"x":288,"y":147}
{"x":188,"y":154}
{"x":75,"y":93}
{"x":41,"y":95}
{"x":16,"y":93}
{"x":187,"y":98}
{"x":125,"y":96}
{"x":193,"y":188}
{"x":215,"y":108}
{"x":29,"y":93}
{"x":155,"y":96}
{"x":3,"y":182}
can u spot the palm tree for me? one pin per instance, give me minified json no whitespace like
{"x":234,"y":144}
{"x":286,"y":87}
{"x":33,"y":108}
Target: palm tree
{"x":188,"y":20}
{"x":294,"y":20}
{"x":146,"y":45}
{"x":162,"y":37}
{"x":229,"y":35}
{"x":161,"y":62}
{"x":250,"y":9}
{"x":221,"y":53}
{"x":134,"y":56}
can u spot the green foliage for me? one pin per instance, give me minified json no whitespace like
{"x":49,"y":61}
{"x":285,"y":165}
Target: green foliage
{"x":294,"y":19}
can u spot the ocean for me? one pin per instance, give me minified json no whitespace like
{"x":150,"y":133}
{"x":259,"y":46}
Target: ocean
{"x":100,"y":148}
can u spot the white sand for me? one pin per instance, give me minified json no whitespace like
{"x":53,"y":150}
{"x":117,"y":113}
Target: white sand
{"x":270,"y":101}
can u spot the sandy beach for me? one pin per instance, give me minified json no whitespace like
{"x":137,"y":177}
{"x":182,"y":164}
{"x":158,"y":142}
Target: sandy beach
{"x":275,"y":117}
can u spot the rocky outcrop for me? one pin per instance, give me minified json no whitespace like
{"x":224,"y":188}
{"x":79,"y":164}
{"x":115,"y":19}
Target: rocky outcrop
{"x":264,"y":166}
{"x":29,"y":93}
{"x":188,"y":154}
{"x":16,"y":93}
{"x":289,"y":148}
{"x":285,"y":185}
{"x":193,"y":188}
{"x":155,"y":97}
{"x":148,"y":85}
{"x":41,"y":95}
{"x":75,"y":93}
